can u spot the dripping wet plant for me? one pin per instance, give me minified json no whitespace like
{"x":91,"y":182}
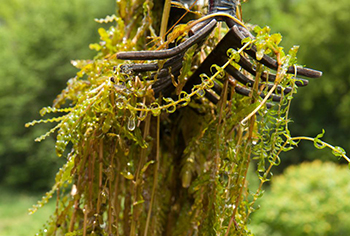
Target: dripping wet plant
{"x":159,"y":143}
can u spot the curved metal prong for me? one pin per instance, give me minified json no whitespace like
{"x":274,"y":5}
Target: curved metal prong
{"x":246,"y":92}
{"x":167,"y":53}
{"x":248,"y":66}
{"x":237,"y":37}
{"x":144,"y":67}
{"x":246,"y":81}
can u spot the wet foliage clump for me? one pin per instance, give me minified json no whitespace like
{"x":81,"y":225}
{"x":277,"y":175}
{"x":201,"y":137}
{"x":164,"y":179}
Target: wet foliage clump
{"x":138,"y":164}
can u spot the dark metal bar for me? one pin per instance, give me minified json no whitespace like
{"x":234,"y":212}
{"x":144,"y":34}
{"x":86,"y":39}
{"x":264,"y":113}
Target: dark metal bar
{"x":236,"y":36}
{"x":164,"y":84}
{"x":246,"y":81}
{"x":144,"y":67}
{"x":167,"y":53}
{"x":223,"y":6}
{"x":246,"y":92}
{"x":248,"y":66}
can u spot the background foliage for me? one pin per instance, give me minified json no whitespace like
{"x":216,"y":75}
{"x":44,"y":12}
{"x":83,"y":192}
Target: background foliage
{"x":37,"y":41}
{"x":316,"y":205}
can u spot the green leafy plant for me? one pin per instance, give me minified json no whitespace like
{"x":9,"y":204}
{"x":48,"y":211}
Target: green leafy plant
{"x":137,"y":164}
{"x":309,"y":199}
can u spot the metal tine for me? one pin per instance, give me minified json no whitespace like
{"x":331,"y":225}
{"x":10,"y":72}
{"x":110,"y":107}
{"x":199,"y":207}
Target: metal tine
{"x":144,"y":67}
{"x":248,"y":66}
{"x":234,"y":38}
{"x":164,"y":80}
{"x":168,"y":53}
{"x":223,"y":6}
{"x":164,"y":84}
{"x":238,"y":89}
{"x":246,"y":92}
{"x":218,"y":57}
{"x":197,"y":27}
{"x":246,"y":81}
{"x":236,"y":35}
{"x":212,"y":98}
{"x":242,"y":90}
{"x":176,"y":66}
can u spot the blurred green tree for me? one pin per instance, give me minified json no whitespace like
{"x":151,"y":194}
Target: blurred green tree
{"x":320,"y":27}
{"x":310,"y":199}
{"x":37,"y":40}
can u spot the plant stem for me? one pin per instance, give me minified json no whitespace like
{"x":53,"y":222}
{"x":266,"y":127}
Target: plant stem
{"x":165,"y":18}
{"x":155,"y":177}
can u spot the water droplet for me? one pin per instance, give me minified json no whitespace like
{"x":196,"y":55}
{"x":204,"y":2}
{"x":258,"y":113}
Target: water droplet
{"x":259,"y":54}
{"x":74,"y":190}
{"x":103,"y":225}
{"x":127,"y":175}
{"x":186,"y":179}
{"x":120,"y":105}
{"x":201,"y":93}
{"x":131,"y":123}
